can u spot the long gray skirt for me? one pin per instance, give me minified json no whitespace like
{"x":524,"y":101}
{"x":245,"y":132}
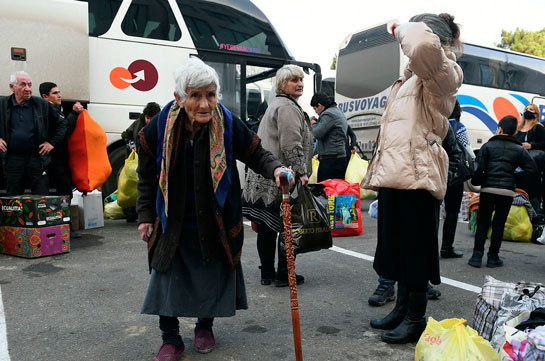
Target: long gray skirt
{"x":191,"y":289}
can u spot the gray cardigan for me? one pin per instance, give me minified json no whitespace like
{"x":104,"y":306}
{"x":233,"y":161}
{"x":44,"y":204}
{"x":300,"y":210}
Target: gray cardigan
{"x":284,"y":131}
{"x":330,"y":130}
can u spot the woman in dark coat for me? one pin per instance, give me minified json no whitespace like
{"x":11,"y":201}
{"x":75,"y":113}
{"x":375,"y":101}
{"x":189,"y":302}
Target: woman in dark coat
{"x":189,"y":208}
{"x":532,"y":135}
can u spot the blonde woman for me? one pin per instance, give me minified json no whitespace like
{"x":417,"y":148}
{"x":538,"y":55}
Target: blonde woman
{"x":531,"y":133}
{"x":285,"y":131}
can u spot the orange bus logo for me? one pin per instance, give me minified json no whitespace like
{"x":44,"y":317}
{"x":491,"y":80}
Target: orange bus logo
{"x":141,"y":75}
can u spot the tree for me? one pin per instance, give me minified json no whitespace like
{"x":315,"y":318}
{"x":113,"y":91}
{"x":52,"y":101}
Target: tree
{"x":334,"y":63}
{"x":524,"y":41}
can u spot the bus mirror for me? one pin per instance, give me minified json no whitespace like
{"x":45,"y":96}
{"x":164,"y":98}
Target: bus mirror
{"x":317,"y":82}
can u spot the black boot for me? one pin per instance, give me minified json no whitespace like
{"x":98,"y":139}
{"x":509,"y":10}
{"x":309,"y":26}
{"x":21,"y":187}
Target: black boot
{"x":414,"y":323}
{"x":494,"y":260}
{"x":394,"y":318}
{"x":267,"y":274}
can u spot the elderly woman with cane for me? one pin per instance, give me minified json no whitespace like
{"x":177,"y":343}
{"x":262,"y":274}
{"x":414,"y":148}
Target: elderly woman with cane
{"x":189,"y":207}
{"x":410,"y":169}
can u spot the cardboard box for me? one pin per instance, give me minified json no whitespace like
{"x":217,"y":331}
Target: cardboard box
{"x":74,"y":217}
{"x":34,"y":211}
{"x":34,"y":242}
{"x":91,"y":211}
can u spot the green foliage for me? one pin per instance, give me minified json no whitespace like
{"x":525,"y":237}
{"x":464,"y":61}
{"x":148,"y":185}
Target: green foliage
{"x":334,"y":63}
{"x":524,"y":41}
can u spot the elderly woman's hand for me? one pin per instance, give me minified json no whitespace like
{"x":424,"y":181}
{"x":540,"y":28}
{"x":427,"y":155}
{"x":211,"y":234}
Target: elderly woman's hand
{"x":277,"y":173}
{"x":145,"y":230}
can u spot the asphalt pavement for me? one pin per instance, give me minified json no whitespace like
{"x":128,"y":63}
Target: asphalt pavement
{"x":85,"y":305}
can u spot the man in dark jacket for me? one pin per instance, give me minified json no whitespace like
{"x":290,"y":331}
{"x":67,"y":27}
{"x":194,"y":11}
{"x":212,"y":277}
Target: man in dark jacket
{"x":59,"y":169}
{"x":30,"y":128}
{"x":60,"y":175}
{"x":330,"y":130}
{"x":498,"y":160}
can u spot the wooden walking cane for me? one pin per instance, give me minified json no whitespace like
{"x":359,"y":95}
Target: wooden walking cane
{"x":288,"y":241}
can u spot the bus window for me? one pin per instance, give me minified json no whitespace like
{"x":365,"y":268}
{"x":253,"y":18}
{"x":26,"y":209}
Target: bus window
{"x":101,"y":15}
{"x":229,"y":75}
{"x":152,"y":19}
{"x":244,"y":28}
{"x":525,"y":74}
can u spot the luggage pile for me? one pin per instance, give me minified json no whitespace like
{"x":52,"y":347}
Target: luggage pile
{"x":522,"y":223}
{"x":512,"y":317}
{"x":34,"y":226}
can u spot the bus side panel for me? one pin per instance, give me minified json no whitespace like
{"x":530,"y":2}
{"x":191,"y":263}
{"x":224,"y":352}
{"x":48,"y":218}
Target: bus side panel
{"x":54,"y":34}
{"x":116,"y":64}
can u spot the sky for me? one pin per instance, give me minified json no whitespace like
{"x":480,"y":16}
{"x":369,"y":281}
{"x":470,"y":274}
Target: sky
{"x":313,"y":29}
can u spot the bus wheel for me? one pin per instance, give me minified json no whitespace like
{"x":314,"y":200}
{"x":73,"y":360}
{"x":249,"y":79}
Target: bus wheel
{"x":117,"y":160}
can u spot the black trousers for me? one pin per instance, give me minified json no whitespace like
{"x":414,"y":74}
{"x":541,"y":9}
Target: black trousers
{"x":267,"y":245}
{"x":25,"y":169}
{"x":60,"y":176}
{"x":489,"y":203}
{"x":453,"y":200}
{"x":331,"y":168}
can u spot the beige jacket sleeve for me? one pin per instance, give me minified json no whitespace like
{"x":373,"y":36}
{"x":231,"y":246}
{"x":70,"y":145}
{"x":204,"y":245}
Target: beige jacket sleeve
{"x":427,"y":59}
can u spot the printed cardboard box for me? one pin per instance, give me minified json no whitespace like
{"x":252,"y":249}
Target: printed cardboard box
{"x":34,"y":242}
{"x":34,"y":211}
{"x":91,"y":211}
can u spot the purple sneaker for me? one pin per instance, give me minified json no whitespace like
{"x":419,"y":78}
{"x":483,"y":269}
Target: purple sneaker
{"x":204,"y":339}
{"x":169,"y":352}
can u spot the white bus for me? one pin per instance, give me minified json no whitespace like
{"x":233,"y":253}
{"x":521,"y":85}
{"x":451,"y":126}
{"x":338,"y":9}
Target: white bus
{"x":114,"y":56}
{"x":496,"y":83}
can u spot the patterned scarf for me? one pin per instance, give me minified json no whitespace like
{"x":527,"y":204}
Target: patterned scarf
{"x":219,"y":155}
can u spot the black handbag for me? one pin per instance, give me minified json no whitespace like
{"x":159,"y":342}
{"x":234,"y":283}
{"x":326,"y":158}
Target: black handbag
{"x":465,"y":168}
{"x":309,"y":219}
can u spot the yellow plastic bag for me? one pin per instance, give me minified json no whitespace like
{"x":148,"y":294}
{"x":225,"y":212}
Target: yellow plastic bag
{"x":112,"y":210}
{"x":126,"y":184}
{"x":314,"y":176}
{"x":355,"y":171}
{"x":518,"y":227}
{"x":450,"y":340}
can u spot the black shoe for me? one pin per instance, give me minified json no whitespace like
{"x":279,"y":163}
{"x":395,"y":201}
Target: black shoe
{"x":407,"y":331}
{"x":267,"y":275}
{"x":476,"y":259}
{"x":384,"y":293}
{"x":394,"y":318}
{"x":74,"y":234}
{"x":494,"y":260}
{"x":281,"y":280}
{"x":451,"y":253}
{"x":432,"y":293}
{"x":414,"y":323}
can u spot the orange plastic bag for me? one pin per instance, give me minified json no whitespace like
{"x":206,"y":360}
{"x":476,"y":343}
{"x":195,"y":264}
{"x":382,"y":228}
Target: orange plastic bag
{"x":87,"y":154}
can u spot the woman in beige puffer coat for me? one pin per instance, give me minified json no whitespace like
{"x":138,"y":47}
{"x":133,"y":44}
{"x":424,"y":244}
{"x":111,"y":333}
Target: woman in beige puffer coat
{"x":410,"y":169}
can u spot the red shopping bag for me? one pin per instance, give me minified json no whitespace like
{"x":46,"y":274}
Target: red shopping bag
{"x":344,"y":207}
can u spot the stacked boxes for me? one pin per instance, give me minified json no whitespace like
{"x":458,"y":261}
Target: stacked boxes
{"x":34,"y":226}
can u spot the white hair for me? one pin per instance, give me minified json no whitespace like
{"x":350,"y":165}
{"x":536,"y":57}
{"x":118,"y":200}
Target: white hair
{"x":285,"y":73}
{"x":194,"y":74}
{"x":13,"y":77}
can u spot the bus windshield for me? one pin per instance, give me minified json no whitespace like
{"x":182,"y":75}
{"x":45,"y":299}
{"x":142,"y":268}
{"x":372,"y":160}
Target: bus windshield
{"x":236,"y":26}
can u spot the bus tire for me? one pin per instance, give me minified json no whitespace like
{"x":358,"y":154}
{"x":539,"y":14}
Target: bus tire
{"x":117,"y":158}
